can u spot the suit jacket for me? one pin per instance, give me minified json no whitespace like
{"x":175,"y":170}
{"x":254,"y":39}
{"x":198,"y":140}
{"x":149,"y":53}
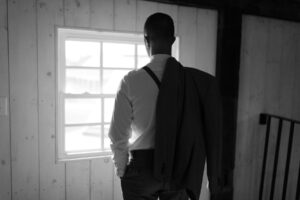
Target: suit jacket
{"x":188,"y":129}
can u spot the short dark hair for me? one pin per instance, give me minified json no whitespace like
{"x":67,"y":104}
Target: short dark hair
{"x":159,"y":25}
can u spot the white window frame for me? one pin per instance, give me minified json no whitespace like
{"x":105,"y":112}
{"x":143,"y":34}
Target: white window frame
{"x":62,"y":34}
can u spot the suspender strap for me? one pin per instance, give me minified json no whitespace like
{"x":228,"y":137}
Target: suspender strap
{"x":153,"y":76}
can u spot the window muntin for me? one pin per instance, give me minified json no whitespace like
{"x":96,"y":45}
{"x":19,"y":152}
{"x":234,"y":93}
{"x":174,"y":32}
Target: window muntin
{"x":90,"y":67}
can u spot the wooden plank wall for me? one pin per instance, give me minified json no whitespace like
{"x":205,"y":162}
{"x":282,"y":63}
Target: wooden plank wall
{"x":28,"y":170}
{"x":52,"y":175}
{"x":23,"y":99}
{"x":269,"y":82}
{"x":5,"y":164}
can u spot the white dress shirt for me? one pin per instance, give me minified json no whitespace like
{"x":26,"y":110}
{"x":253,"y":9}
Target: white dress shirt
{"x":133,"y":122}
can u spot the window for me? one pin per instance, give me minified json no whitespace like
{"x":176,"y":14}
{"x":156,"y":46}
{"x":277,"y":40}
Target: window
{"x":90,"y":67}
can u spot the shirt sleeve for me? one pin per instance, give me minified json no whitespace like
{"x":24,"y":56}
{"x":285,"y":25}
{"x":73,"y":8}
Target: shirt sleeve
{"x":120,"y":128}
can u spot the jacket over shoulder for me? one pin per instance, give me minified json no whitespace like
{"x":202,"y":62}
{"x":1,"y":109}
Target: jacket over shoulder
{"x":188,"y":129}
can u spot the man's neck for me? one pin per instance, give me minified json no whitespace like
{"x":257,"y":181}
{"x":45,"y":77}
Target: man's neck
{"x":162,"y":51}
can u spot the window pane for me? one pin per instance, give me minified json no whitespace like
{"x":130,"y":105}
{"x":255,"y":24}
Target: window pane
{"x":82,"y":138}
{"x":80,"y":81}
{"x":112,"y":79}
{"x":82,"y":111}
{"x":107,"y":141}
{"x":82,"y":53}
{"x":143,"y":58}
{"x":118,"y":55}
{"x":108,"y":108}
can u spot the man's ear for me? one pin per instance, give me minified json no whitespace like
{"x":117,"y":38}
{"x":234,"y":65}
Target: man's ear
{"x":147,"y":41}
{"x":147,"y":44}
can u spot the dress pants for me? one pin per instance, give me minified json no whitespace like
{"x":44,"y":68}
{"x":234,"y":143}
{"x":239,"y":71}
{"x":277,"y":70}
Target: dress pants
{"x":138,"y":182}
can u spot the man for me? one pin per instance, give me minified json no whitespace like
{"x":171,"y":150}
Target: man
{"x":166,"y":122}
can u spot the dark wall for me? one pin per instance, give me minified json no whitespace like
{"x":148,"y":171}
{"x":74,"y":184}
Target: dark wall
{"x":282,"y":9}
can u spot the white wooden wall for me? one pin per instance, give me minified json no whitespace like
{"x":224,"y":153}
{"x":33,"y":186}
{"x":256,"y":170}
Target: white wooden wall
{"x":5,"y":164}
{"x":28,"y":170}
{"x":269,"y":82}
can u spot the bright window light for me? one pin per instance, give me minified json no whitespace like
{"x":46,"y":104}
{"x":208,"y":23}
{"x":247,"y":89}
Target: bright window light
{"x":75,"y":56}
{"x":90,"y":66}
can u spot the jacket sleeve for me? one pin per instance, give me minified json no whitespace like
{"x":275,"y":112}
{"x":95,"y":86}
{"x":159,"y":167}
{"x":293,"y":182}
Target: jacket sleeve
{"x":213,"y":136}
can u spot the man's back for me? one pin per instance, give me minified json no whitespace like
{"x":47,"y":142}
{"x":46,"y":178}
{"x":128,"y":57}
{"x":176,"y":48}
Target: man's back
{"x":136,"y":102}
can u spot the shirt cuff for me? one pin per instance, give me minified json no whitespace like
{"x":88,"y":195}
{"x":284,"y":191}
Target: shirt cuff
{"x":120,"y":161}
{"x":120,"y":172}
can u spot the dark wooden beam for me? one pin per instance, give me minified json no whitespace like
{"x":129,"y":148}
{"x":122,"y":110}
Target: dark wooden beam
{"x":227,"y":73}
{"x":279,"y":9}
{"x":285,"y":10}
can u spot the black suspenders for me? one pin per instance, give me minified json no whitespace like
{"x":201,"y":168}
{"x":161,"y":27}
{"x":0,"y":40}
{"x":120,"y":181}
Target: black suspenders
{"x":153,"y":76}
